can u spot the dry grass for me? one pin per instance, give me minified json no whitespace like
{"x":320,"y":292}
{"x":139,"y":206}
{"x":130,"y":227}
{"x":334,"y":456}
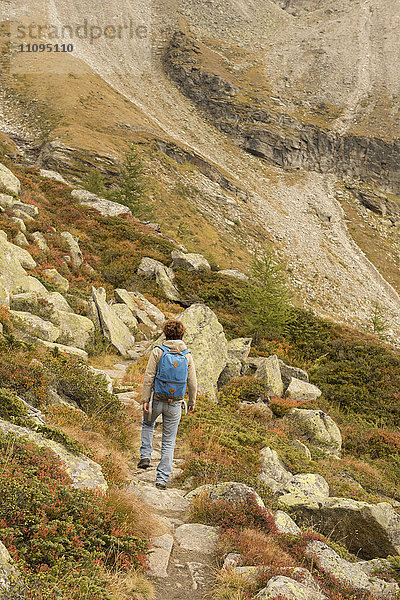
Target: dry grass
{"x":134,"y":512}
{"x":104,"y":361}
{"x":129,"y":586}
{"x":258,"y":548}
{"x":229,"y":586}
{"x":135,"y":373}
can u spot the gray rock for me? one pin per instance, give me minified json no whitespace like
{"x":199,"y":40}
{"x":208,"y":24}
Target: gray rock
{"x":233,"y":369}
{"x":234,"y":273}
{"x":169,"y":500}
{"x":381,"y":565}
{"x":74,"y":250}
{"x":25,"y":259}
{"x":105,"y":376}
{"x":318,"y":428}
{"x":26,"y":211}
{"x":126,"y":316}
{"x":230,"y":491}
{"x":302,"y":391}
{"x":108,"y":208}
{"x":232,"y":560}
{"x":54,"y":276}
{"x":7,"y":201}
{"x":159,"y":556}
{"x":48,"y":174}
{"x":290,"y":589}
{"x":269,"y":371}
{"x":153,"y":312}
{"x":201,"y":575}
{"x":28,"y":327}
{"x":368,"y":530}
{"x":20,"y":240}
{"x":84,"y":473}
{"x":148,"y":268}
{"x":285,"y":524}
{"x":8,"y":182}
{"x":41,"y":241}
{"x":304,"y":489}
{"x":58,"y":302}
{"x":206,"y":340}
{"x":189,"y":262}
{"x":240,"y":348}
{"x":63,"y":349}
{"x":76,"y":330}
{"x":19,"y":222}
{"x":12,"y":586}
{"x":26,"y":302}
{"x":197,"y":538}
{"x":141,"y":315}
{"x":328,"y":561}
{"x":164,"y":281}
{"x":248,"y":574}
{"x":113,"y":328}
{"x":274,"y":473}
{"x":288,"y":372}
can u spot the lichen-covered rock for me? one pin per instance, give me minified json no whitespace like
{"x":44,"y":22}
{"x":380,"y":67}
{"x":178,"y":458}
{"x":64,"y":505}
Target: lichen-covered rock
{"x":288,"y":372}
{"x":234,"y":273}
{"x":240,"y":348}
{"x":28,"y":327}
{"x":232,"y":369}
{"x":76,"y":330}
{"x":58,"y":302}
{"x":273,"y":473}
{"x":8,"y":182}
{"x":41,"y":241}
{"x":153,"y":312}
{"x":84,"y":472}
{"x":74,"y":250}
{"x":78,"y":352}
{"x":148,"y":268}
{"x":26,"y":302}
{"x":25,"y":259}
{"x":113,"y":328}
{"x":12,"y":586}
{"x":289,"y":589}
{"x":304,"y":489}
{"x":20,"y":240}
{"x":164,"y":281}
{"x":368,"y":530}
{"x":189,"y":262}
{"x":126,"y":316}
{"x":269,"y":371}
{"x":318,"y":428}
{"x":302,"y":391}
{"x":347,"y":573}
{"x":54,"y":276}
{"x":107,"y":208}
{"x":230,"y":491}
{"x":196,"y":537}
{"x":206,"y":340}
{"x":248,"y":573}
{"x":48,"y":174}
{"x":285,"y":524}
{"x":140,"y":314}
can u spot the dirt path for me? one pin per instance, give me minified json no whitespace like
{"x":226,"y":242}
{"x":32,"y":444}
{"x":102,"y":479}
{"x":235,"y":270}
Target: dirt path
{"x":182,"y":562}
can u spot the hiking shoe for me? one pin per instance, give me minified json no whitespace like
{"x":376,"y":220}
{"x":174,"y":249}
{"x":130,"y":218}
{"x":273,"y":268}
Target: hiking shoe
{"x":160,"y":485}
{"x":143,"y":463}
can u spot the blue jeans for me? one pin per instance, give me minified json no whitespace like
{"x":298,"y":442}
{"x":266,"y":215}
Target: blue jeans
{"x":171,"y":415}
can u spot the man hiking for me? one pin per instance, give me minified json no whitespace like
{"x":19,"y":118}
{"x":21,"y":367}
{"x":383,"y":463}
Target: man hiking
{"x":169,"y":370}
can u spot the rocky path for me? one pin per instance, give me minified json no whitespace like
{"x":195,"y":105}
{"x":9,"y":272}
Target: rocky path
{"x":182,"y":561}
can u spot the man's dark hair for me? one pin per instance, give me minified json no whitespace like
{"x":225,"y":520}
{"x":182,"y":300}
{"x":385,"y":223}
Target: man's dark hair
{"x":173,"y":330}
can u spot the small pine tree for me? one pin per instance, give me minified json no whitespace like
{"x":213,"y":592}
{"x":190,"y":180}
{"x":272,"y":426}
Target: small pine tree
{"x":132,"y":187}
{"x":94,"y":182}
{"x":265,"y":302}
{"x":379,"y":322}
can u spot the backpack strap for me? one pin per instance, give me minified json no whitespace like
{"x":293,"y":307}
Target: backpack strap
{"x":166,"y":349}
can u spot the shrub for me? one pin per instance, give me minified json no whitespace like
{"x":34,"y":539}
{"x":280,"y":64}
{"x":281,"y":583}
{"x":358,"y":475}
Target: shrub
{"x":53,"y":529}
{"x":281,"y":406}
{"x":243,"y":389}
{"x":377,"y":443}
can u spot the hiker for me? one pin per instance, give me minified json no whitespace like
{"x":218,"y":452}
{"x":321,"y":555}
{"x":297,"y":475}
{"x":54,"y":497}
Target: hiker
{"x":169,"y":369}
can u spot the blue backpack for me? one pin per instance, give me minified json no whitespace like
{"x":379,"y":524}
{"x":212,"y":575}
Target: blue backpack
{"x":172,"y":374}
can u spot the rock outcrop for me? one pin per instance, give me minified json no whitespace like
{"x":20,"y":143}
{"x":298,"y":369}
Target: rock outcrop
{"x":132,"y":303}
{"x":230,"y":491}
{"x":269,"y":372}
{"x":113,"y":328}
{"x":74,"y":250}
{"x":107,"y":208}
{"x":8,"y":182}
{"x":189,"y":262}
{"x":206,"y":340}
{"x":12,"y":586}
{"x":302,"y":391}
{"x":290,"y":589}
{"x":318,"y":428}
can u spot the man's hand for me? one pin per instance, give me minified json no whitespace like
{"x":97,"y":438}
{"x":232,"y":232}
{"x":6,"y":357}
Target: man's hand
{"x":191,"y":409}
{"x":146,"y":407}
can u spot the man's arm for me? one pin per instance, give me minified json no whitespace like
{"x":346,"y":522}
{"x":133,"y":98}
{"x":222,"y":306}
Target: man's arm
{"x":191,"y":383}
{"x":149,"y":376}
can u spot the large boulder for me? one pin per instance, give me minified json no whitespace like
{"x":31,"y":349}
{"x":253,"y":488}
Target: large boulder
{"x":289,"y":589}
{"x":84,"y":472}
{"x":164,"y":281}
{"x":13,"y":277}
{"x":58,"y":302}
{"x":27,"y":327}
{"x":8,"y":182}
{"x":189,"y":262}
{"x":140,"y":314}
{"x":12,"y":586}
{"x":368,"y":530}
{"x":74,"y":250}
{"x":269,"y":371}
{"x":153,"y":312}
{"x":71,"y":350}
{"x":27,"y":302}
{"x":240,"y":348}
{"x":126,"y":316}
{"x":349,"y":574}
{"x":230,"y":491}
{"x":206,"y":340}
{"x":285,"y":524}
{"x":304,"y":488}
{"x":107,"y":208}
{"x":196,"y":537}
{"x":273,"y":473}
{"x":302,"y":391}
{"x":112,"y":327}
{"x":48,"y":174}
{"x":288,"y":372}
{"x":25,"y":259}
{"x":232,"y":369}
{"x":149,"y":267}
{"x":76,"y":330}
{"x":318,"y":428}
